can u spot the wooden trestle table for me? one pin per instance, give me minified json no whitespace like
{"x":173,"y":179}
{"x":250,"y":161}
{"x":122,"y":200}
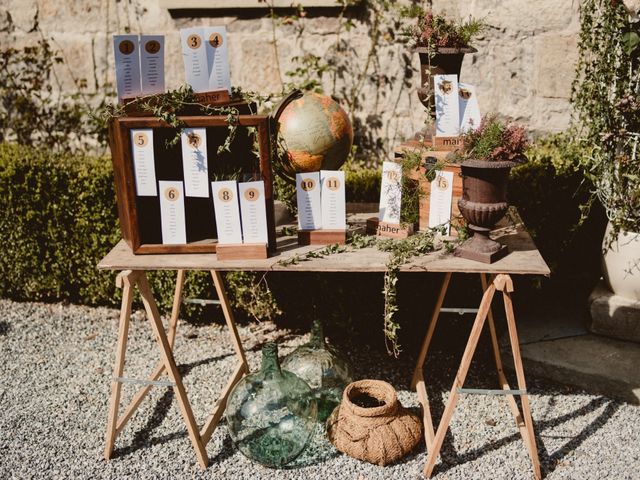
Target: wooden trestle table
{"x":523,"y":259}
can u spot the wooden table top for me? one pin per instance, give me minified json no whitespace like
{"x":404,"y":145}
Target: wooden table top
{"x":523,"y":258}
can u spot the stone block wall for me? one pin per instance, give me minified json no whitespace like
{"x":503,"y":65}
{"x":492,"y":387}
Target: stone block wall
{"x":523,"y":69}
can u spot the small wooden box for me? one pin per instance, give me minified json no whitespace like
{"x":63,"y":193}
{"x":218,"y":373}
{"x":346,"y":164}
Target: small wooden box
{"x":242,"y":251}
{"x":391,"y":230}
{"x":322,"y":237}
{"x":140,"y":216}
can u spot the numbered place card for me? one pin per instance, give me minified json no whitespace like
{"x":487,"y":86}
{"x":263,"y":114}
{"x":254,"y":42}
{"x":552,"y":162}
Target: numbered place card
{"x":447,"y":108}
{"x":174,"y":231}
{"x":308,"y":197}
{"x":390,"y":193}
{"x":127,"y":57}
{"x":194,"y":162}
{"x":227,"y":211}
{"x":253,"y":211}
{"x":152,"y":64}
{"x":194,"y":54}
{"x":440,"y":200}
{"x":215,"y":39}
{"x":333,"y":200}
{"x":143,"y":162}
{"x":468,"y":107}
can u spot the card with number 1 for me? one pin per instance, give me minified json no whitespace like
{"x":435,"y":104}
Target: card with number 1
{"x":308,"y":196}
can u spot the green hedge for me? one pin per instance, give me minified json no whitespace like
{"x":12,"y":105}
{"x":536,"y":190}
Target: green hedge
{"x":550,"y":191}
{"x":59,"y":218}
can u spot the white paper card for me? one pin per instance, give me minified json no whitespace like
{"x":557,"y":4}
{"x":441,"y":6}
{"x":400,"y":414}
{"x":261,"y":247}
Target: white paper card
{"x":194,"y":54}
{"x":127,"y":54}
{"x":152,"y":64}
{"x":194,"y":162}
{"x":253,"y":211}
{"x":143,"y":162}
{"x":390,"y":192}
{"x":333,"y":200}
{"x":227,"y":211}
{"x":469,"y":108}
{"x":215,"y":39}
{"x":440,"y":200}
{"x":308,"y":196}
{"x":447,"y":109}
{"x":172,"y":221}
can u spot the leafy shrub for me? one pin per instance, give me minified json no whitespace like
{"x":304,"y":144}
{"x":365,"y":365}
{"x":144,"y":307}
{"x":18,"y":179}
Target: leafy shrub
{"x":551,"y":194}
{"x":59,"y":218}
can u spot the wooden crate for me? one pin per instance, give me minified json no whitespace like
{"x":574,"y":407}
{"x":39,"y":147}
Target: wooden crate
{"x":140,"y":216}
{"x":431,"y":157}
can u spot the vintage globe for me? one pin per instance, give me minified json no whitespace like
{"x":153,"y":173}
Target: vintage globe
{"x":316,"y":134}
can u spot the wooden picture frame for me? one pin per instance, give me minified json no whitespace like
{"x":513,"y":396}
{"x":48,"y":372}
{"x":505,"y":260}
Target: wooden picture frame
{"x":140,"y":216}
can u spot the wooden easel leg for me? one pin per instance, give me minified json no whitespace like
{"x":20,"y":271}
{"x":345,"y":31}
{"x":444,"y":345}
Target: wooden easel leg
{"x":242,"y":367}
{"x":524,"y":398}
{"x":172,"y":370}
{"x":160,"y":368}
{"x":417,"y":381}
{"x":469,"y":350}
{"x":125,"y":280}
{"x":432,"y":325}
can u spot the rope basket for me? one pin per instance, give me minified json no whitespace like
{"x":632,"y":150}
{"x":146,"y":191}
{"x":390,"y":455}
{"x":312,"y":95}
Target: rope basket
{"x":380,"y":433}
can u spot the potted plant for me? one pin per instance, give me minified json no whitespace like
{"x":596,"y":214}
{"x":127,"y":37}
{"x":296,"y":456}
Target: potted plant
{"x":487,"y":156}
{"x":441,"y":45}
{"x":606,"y":96}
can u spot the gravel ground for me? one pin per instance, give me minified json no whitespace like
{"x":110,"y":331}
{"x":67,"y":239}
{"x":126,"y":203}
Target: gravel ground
{"x":55,"y":384}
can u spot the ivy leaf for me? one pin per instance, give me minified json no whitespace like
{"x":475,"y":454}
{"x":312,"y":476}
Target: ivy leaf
{"x":631,"y":41}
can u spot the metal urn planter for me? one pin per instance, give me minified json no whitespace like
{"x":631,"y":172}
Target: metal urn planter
{"x":483,"y":204}
{"x":446,"y":61}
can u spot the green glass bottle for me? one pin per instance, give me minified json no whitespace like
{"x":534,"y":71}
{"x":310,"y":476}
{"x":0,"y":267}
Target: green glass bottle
{"x":271,"y":414}
{"x":323,"y":368}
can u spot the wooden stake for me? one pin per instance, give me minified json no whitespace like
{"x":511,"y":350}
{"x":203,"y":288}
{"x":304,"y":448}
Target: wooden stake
{"x":517,"y":360}
{"x":172,"y":370}
{"x":469,"y":350}
{"x":417,"y":372}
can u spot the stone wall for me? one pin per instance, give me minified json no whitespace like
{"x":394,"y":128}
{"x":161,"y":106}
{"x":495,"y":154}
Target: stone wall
{"x":523,"y":69}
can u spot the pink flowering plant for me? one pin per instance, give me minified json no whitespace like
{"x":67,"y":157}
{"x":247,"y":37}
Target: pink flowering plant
{"x":495,"y":141}
{"x":435,"y":31}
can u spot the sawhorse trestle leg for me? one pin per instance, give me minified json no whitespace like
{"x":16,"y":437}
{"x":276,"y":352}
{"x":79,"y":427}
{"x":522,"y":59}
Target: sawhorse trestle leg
{"x":128,"y":280}
{"x":434,"y":440}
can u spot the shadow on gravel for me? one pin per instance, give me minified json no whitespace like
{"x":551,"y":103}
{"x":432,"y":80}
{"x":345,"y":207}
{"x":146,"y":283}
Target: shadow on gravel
{"x":548,"y":462}
{"x":4,"y":328}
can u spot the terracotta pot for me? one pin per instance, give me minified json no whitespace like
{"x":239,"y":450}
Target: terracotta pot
{"x":483,"y":204}
{"x":381,"y":433}
{"x":446,"y":61}
{"x":621,"y":264}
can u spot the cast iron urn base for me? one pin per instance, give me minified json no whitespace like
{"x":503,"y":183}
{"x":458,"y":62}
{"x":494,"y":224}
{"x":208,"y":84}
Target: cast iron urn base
{"x":483,"y":204}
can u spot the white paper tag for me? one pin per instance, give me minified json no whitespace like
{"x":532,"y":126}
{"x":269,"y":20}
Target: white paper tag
{"x":194,"y":162}
{"x":333,"y":200}
{"x":215,"y":40}
{"x":127,"y":55}
{"x":390,"y":193}
{"x":227,"y":211}
{"x":447,"y":108}
{"x":469,"y":109}
{"x":194,"y":54}
{"x":172,"y":213}
{"x":143,"y":162}
{"x":152,"y":64}
{"x":253,"y":211}
{"x":440,"y":200}
{"x":308,"y":197}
